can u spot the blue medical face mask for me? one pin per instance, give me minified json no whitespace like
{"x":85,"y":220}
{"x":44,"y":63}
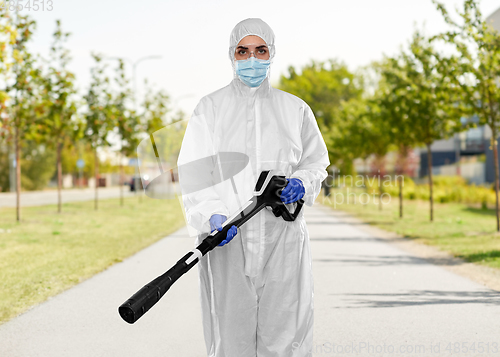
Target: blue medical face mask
{"x":252,"y":71}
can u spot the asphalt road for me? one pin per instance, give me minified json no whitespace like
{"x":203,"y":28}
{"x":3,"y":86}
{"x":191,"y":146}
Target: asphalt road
{"x":371,"y":299}
{"x":49,"y":197}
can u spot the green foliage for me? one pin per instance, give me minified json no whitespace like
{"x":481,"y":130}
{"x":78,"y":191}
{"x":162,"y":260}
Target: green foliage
{"x":126,"y":121}
{"x":476,"y":66}
{"x":450,"y":181}
{"x":20,"y":101}
{"x":39,"y":165}
{"x":325,"y":86}
{"x":108,"y":167}
{"x":23,"y":105}
{"x":72,"y":152}
{"x":363,"y":131}
{"x":328,"y":88}
{"x":156,"y":109}
{"x":476,"y":70}
{"x":423,"y":106}
{"x":98,"y":115}
{"x":99,"y":119}
{"x":4,"y":168}
{"x":59,"y":108}
{"x":168,"y":129}
{"x":394,"y":103}
{"x":445,"y":189}
{"x":7,"y":41}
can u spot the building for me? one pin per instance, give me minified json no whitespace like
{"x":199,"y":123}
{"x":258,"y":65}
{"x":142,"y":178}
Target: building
{"x":494,"y":18}
{"x":471,"y":148}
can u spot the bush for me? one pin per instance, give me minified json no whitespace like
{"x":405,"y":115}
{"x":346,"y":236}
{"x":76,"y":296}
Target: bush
{"x":450,"y":189}
{"x":448,"y":181}
{"x":445,"y":189}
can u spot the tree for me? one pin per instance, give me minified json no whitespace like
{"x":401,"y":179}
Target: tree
{"x":154,"y":118}
{"x":378,"y":137}
{"x":126,"y":121}
{"x":356,"y":132}
{"x":395,"y":103}
{"x":59,"y":123}
{"x":98,"y":116}
{"x":20,"y":103}
{"x":326,"y":86}
{"x":476,"y":70}
{"x":156,"y":109}
{"x":8,"y":36}
{"x":433,"y":102}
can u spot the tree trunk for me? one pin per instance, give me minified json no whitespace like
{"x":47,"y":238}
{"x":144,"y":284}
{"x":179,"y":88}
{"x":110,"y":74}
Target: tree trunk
{"x":121,"y":182}
{"x":139,"y":193}
{"x":495,"y":159}
{"x":18,"y":174}
{"x":380,"y":193}
{"x":403,"y":155}
{"x":59,"y":177}
{"x":366,"y":177}
{"x":457,"y":153}
{"x":381,"y":172}
{"x":400,"y":198}
{"x":96,"y":175}
{"x":429,"y":167}
{"x":137,"y":181}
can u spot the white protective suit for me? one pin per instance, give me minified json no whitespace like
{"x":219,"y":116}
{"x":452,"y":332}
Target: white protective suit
{"x":257,"y":290}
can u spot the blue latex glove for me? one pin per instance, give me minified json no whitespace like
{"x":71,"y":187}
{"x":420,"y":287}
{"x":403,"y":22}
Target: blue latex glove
{"x":216,"y":223}
{"x":293,"y":191}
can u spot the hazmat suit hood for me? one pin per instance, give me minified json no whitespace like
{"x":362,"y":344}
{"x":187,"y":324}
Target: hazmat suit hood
{"x":255,"y":27}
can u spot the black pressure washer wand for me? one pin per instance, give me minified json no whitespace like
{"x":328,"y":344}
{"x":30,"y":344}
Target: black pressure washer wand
{"x":267,"y":193}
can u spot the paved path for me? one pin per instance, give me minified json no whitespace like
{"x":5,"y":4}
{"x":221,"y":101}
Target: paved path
{"x":369,"y":293}
{"x":39,"y":198}
{"x":370,"y":297}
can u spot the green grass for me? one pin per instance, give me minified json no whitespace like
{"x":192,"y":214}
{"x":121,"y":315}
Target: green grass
{"x":48,"y":252}
{"x":465,"y":232}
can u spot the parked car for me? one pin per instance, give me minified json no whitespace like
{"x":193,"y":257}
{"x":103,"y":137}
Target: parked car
{"x":136,"y":179}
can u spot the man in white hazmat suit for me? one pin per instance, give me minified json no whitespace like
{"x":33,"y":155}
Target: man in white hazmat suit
{"x":257,"y":290}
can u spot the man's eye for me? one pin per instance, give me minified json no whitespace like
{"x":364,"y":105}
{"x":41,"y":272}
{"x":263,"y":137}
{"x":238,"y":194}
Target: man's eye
{"x":262,"y":51}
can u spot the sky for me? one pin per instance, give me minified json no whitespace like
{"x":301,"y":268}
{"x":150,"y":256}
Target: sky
{"x":192,"y":36}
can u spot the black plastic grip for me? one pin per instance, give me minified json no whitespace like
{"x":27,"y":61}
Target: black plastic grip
{"x":143,"y":300}
{"x":287,"y":216}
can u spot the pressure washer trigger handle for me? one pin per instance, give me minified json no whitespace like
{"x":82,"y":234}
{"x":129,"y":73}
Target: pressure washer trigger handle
{"x":287,"y":216}
{"x":277,"y":211}
{"x":300,"y":203}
